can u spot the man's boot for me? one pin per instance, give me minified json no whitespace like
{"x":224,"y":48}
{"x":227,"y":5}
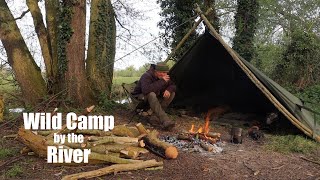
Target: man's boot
{"x":167,"y":124}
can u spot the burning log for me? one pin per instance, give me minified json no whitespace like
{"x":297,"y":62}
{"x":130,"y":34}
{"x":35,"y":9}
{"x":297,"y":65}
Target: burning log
{"x":206,"y":146}
{"x":213,"y":135}
{"x":158,"y":147}
{"x":113,"y":169}
{"x":184,"y":137}
{"x":205,"y":138}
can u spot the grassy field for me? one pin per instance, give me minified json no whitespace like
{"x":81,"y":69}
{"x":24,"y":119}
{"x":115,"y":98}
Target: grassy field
{"x":120,"y":80}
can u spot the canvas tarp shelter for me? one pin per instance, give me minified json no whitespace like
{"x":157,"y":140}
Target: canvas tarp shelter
{"x":212,"y":74}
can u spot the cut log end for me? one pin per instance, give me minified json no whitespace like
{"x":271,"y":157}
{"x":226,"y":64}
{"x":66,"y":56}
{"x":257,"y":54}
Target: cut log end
{"x":171,"y":152}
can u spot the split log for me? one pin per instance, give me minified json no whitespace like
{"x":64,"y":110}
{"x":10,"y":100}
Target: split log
{"x":110,"y":158}
{"x":213,"y":135}
{"x":123,"y":130}
{"x":102,"y":148}
{"x":206,"y":146}
{"x":184,"y":137}
{"x":132,"y":152}
{"x":113,"y":169}
{"x":111,"y":139}
{"x":210,"y":140}
{"x":158,"y":147}
{"x":95,"y":132}
{"x":141,"y":129}
{"x":105,"y":149}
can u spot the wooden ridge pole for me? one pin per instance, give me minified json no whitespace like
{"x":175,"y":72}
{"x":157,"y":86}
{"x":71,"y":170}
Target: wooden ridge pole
{"x":186,"y":36}
{"x":254,"y":79}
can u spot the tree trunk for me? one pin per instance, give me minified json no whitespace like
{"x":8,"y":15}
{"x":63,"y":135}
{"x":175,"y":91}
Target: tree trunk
{"x":26,"y":71}
{"x":246,"y":20}
{"x":52,"y":7}
{"x":212,"y":17}
{"x":44,"y":42}
{"x":75,"y":78}
{"x":101,"y":50}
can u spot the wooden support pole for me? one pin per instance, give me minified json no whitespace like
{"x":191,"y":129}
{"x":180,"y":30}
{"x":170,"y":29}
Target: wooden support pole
{"x":254,"y":79}
{"x":183,"y":40}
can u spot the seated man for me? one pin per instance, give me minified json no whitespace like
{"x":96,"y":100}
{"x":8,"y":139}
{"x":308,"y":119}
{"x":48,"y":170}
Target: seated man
{"x":158,"y":90}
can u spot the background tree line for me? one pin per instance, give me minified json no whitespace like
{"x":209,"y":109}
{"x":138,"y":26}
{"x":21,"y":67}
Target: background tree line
{"x":279,"y":37}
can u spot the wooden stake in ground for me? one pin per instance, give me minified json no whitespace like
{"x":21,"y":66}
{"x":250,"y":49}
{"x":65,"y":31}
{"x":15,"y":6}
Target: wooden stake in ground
{"x":113,"y":169}
{"x":158,"y":147}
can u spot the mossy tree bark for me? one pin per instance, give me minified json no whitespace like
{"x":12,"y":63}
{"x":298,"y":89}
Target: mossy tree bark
{"x":101,"y":50}
{"x":246,"y":20}
{"x":63,"y":49}
{"x":51,"y":70}
{"x":75,"y":77}
{"x":52,"y":7}
{"x":26,"y":71}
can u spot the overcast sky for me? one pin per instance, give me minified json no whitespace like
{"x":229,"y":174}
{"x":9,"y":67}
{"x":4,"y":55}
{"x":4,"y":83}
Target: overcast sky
{"x":142,"y":29}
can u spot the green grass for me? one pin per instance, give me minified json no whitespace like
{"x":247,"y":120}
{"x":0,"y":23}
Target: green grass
{"x":120,"y":80}
{"x":6,"y":86}
{"x":291,"y":144}
{"x":6,"y":152}
{"x":15,"y":171}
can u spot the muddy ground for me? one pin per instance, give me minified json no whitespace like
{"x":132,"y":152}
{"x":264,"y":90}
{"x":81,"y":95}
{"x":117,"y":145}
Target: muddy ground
{"x":249,"y":160}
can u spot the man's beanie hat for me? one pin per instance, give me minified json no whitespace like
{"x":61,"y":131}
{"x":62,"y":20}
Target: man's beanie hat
{"x":162,"y":67}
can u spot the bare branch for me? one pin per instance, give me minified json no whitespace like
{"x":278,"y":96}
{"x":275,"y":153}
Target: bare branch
{"x":122,"y":25}
{"x":22,"y":14}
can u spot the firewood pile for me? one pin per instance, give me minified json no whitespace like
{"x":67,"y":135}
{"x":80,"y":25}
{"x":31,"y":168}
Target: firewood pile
{"x":121,"y":147}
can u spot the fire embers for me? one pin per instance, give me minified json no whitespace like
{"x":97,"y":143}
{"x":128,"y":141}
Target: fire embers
{"x":198,"y":140}
{"x":236,"y":135}
{"x":194,"y":143}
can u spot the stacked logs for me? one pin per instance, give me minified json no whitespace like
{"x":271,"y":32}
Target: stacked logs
{"x":122,"y":145}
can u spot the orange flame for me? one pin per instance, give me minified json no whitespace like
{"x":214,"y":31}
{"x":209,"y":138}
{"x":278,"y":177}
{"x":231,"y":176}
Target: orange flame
{"x":205,"y":129}
{"x":200,"y":130}
{"x":192,"y":129}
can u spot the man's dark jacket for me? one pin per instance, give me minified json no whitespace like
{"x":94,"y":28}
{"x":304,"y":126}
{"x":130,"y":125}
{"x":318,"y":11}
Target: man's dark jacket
{"x":150,"y":83}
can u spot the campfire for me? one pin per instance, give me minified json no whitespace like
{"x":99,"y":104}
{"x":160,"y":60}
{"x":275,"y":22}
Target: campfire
{"x":203,"y":132}
{"x":202,"y":137}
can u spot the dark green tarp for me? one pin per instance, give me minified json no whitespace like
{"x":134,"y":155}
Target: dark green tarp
{"x":208,"y":76}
